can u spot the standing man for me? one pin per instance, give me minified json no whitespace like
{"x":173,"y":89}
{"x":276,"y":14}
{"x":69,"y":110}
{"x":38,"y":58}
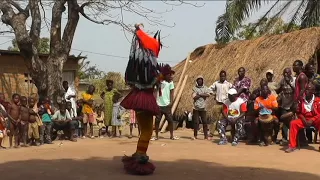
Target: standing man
{"x":301,"y":80}
{"x":299,"y":93}
{"x":221,"y":88}
{"x":200,"y":95}
{"x":308,"y":115}
{"x":286,"y":98}
{"x":165,"y":101}
{"x":313,"y":77}
{"x":70,"y":96}
{"x":242,"y":84}
{"x":271,"y":84}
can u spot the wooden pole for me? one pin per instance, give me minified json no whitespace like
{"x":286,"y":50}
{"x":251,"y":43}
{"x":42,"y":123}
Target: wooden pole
{"x":176,"y":90}
{"x":175,"y":104}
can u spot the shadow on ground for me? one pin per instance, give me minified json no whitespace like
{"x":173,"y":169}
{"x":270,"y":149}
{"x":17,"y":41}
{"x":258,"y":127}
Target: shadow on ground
{"x":97,"y":168}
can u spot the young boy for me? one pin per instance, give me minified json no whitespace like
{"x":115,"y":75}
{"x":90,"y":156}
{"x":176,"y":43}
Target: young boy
{"x":45,"y":111}
{"x":165,"y":101}
{"x":33,"y":131}
{"x":100,"y":120}
{"x":24,"y":123}
{"x":14,"y":119}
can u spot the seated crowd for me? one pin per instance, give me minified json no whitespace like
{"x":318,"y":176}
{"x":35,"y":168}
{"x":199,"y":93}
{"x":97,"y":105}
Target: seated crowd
{"x":293,"y":104}
{"x":29,"y":121}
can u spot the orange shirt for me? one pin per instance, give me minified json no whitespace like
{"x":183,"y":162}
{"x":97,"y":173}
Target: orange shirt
{"x":269,"y":103}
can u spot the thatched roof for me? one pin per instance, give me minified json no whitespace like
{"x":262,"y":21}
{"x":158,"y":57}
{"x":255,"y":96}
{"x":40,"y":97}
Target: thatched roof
{"x":257,"y":56}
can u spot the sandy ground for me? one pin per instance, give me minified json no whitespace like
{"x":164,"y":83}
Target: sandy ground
{"x":182,"y":159}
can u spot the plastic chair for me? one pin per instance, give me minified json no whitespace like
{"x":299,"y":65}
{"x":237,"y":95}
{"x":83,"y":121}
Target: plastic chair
{"x":315,"y":138}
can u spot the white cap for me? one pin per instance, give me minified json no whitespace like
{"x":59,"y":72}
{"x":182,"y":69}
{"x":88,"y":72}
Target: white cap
{"x":270,"y":71}
{"x":232,"y":91}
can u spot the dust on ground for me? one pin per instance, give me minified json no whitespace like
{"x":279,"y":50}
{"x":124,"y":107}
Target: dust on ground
{"x":180,"y":159}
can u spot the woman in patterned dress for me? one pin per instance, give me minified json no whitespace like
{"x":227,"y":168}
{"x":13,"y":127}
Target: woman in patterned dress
{"x":107,"y":96}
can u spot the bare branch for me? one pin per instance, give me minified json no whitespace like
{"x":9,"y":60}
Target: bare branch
{"x":73,"y":19}
{"x":44,"y":15}
{"x":181,"y":2}
{"x":4,"y":32}
{"x":36,"y":22}
{"x":16,"y":5}
{"x":104,"y":22}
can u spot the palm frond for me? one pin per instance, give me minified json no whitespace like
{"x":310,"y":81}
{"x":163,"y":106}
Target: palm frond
{"x":276,"y":17}
{"x":262,"y":19}
{"x":296,"y":18}
{"x":311,"y":15}
{"x":236,"y":12}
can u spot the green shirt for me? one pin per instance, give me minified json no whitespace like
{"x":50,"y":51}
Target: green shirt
{"x":164,"y":99}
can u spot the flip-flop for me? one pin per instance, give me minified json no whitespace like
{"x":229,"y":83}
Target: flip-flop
{"x":154,"y":139}
{"x":175,"y":138}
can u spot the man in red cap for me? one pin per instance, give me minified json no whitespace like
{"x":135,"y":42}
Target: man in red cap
{"x":165,"y":101}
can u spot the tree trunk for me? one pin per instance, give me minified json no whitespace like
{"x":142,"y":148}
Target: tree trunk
{"x":54,"y":78}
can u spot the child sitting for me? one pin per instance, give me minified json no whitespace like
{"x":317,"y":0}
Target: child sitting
{"x":117,"y":122}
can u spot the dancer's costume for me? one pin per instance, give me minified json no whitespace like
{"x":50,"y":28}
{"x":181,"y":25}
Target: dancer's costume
{"x":143,"y":75}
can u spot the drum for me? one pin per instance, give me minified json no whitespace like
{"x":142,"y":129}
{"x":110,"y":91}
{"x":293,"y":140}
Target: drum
{"x":286,"y":118}
{"x":266,"y":127}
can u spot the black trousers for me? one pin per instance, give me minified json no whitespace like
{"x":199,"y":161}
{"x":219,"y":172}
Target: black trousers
{"x":197,"y":114}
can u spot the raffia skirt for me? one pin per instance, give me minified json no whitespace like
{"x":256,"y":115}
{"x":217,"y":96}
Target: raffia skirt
{"x":141,"y":100}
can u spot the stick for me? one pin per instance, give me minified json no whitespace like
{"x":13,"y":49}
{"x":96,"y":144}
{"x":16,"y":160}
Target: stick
{"x":176,"y":90}
{"x":176,"y":102}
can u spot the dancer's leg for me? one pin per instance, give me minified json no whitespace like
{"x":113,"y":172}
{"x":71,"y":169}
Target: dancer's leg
{"x":145,"y":121}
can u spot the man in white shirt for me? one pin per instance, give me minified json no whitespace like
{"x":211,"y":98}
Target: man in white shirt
{"x":70,"y":96}
{"x":221,"y":88}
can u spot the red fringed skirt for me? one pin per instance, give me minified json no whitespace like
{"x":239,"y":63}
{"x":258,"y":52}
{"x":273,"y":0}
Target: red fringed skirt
{"x":141,"y":100}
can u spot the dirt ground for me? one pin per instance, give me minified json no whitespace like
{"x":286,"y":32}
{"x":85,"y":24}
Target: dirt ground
{"x":182,"y":159}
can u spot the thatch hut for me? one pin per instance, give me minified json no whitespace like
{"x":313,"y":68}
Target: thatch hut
{"x":257,"y":56}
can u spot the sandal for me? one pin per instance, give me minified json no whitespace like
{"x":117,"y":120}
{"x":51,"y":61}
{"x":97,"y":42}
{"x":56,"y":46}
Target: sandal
{"x":130,"y":136}
{"x":174,"y":138}
{"x":154,"y":139}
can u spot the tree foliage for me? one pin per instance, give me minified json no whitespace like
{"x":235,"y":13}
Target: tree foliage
{"x":118,"y":79}
{"x":306,"y":14}
{"x":255,"y":30}
{"x":43,"y":46}
{"x":88,"y":71}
